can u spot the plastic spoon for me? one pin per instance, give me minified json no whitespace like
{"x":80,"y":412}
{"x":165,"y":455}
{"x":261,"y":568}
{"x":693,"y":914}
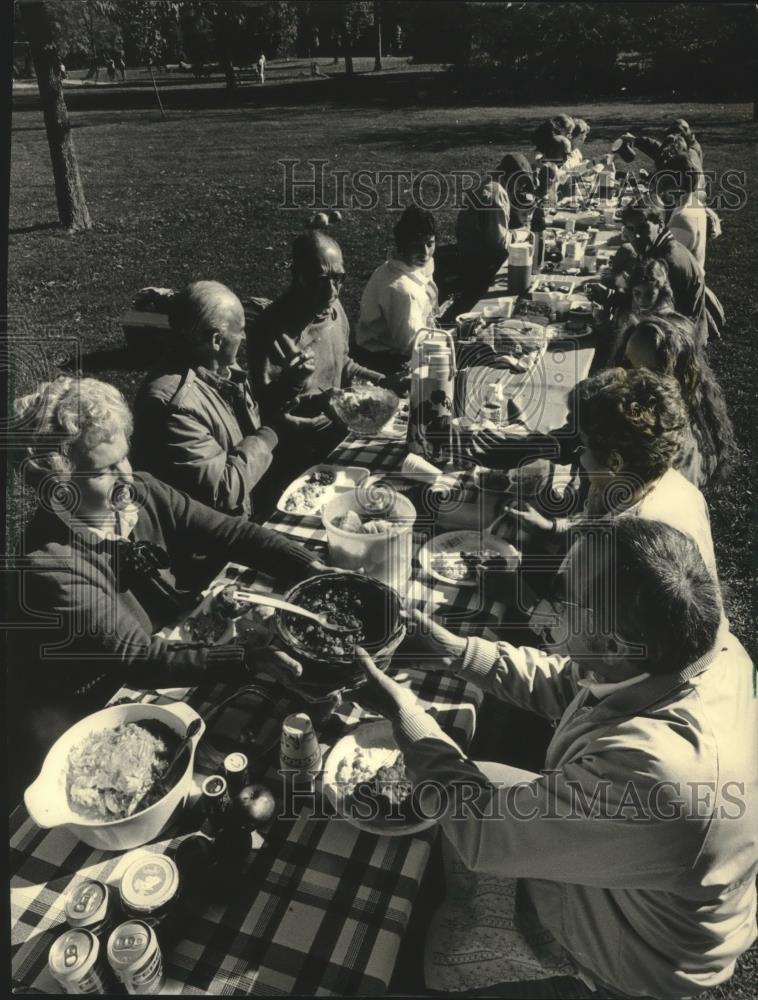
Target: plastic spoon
{"x":267,"y":600}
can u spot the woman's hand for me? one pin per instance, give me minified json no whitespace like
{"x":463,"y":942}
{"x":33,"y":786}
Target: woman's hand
{"x":317,"y":567}
{"x":380,"y":693}
{"x":436,"y":646}
{"x":275,"y":662}
{"x":522,"y":526}
{"x":597,"y":292}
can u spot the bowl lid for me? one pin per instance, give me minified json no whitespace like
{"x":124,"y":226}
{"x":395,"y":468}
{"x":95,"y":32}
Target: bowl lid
{"x":149,"y":883}
{"x":73,"y":954}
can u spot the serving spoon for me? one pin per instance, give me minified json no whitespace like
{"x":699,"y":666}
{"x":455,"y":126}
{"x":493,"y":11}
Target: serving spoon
{"x":268,"y":600}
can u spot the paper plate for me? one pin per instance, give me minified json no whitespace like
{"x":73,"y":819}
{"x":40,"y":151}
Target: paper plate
{"x":443,"y":549}
{"x":378,"y":743}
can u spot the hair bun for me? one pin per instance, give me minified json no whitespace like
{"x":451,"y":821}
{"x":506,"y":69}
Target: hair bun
{"x":319,"y":221}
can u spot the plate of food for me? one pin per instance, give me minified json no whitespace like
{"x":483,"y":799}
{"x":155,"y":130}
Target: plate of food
{"x":307,"y":496}
{"x":518,"y":344}
{"x":220,"y":618}
{"x":366,"y":781}
{"x":458,"y":558}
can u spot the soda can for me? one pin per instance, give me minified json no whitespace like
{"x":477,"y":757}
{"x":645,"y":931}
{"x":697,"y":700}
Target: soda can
{"x":236,"y":771}
{"x":136,"y":958}
{"x":89,"y":906}
{"x":217,"y":804}
{"x":150,"y":888}
{"x":75,"y":962}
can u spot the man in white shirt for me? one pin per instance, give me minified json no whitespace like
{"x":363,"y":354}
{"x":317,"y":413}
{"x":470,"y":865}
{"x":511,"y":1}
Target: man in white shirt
{"x":400,"y":298}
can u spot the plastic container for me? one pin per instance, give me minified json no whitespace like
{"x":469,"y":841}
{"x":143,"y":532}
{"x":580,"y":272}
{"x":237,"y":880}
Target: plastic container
{"x":520,"y":257}
{"x":432,"y":395}
{"x":385,"y":556}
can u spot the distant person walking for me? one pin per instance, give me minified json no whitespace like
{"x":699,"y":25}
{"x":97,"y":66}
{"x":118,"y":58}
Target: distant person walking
{"x":111,"y":68}
{"x":120,"y":64}
{"x":262,"y":68}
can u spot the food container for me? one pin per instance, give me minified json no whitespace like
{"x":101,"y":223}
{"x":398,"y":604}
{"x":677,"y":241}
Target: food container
{"x":467,"y":324}
{"x":520,"y":256}
{"x":149,"y":889}
{"x":76,"y":962}
{"x":46,"y":799}
{"x":384,"y":631}
{"x":385,"y":556}
{"x":299,"y":751}
{"x":135,"y":956}
{"x":364,"y":408}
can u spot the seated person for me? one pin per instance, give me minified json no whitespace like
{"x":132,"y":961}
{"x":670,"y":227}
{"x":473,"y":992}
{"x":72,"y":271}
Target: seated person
{"x":631,"y":426}
{"x":631,"y":881}
{"x":196,"y":424}
{"x":401,"y":297}
{"x":100,"y":554}
{"x":651,"y":240}
{"x":679,"y":187}
{"x":495,"y":215}
{"x":298,"y":353}
{"x":665,"y":344}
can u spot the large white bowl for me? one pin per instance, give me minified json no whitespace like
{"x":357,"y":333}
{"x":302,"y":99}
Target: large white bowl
{"x":47,"y":802}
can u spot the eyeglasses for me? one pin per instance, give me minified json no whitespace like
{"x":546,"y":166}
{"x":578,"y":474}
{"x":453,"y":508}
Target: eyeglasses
{"x":336,"y":278}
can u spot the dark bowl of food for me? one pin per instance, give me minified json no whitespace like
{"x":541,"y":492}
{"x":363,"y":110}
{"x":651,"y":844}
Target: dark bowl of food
{"x":372,"y":608}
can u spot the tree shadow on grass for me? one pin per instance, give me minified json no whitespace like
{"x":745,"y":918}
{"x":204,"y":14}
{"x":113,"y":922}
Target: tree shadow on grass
{"x":34,"y":228}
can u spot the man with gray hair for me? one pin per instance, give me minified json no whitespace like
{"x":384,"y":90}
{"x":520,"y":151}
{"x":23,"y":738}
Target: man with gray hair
{"x":196,"y":423}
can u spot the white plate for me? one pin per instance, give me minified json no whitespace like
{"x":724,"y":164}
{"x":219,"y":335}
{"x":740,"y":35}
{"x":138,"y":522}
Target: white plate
{"x":235,"y":629}
{"x":464,"y":541}
{"x":376,"y":737}
{"x":346,"y":478}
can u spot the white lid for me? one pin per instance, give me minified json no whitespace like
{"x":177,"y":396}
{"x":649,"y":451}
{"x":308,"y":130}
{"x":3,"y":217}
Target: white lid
{"x":150,"y":881}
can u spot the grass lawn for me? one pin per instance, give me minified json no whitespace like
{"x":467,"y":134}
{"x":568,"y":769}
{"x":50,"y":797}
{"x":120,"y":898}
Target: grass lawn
{"x":197,"y":196}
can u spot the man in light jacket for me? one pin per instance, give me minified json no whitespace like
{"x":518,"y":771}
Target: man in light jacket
{"x":196,"y":423}
{"x":636,"y":849}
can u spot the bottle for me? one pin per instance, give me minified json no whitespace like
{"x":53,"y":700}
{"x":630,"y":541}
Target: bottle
{"x":520,"y":257}
{"x":491,"y":412}
{"x":538,"y":238}
{"x":236,"y":772}
{"x":606,"y":186}
{"x":432,"y":394}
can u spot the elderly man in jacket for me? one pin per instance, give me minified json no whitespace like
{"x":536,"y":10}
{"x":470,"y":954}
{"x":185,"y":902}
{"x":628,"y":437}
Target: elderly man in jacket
{"x":636,"y":849}
{"x":196,"y":423}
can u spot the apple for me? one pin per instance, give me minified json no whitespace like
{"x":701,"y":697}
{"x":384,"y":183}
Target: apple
{"x":255,"y":805}
{"x":320,"y":220}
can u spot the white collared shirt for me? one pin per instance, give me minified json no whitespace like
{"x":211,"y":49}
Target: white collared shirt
{"x":397,"y":303}
{"x":601,"y":689}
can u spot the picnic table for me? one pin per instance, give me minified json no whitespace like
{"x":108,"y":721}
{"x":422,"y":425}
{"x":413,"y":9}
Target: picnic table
{"x":321,"y":907}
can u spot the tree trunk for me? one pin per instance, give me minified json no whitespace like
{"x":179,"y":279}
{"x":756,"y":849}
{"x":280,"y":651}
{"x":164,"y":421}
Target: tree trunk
{"x":347,"y":53}
{"x":72,"y":207}
{"x":378,"y":35}
{"x":220,"y":29}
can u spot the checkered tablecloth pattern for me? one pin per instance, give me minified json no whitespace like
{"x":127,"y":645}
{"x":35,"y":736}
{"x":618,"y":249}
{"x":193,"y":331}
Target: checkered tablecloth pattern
{"x":321,"y":908}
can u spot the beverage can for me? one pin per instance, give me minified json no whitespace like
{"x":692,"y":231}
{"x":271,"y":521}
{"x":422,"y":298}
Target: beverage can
{"x":150,"y":888}
{"x":236,"y":771}
{"x":217,"y":804}
{"x":76,"y":963}
{"x":89,"y":906}
{"x":136,"y":958}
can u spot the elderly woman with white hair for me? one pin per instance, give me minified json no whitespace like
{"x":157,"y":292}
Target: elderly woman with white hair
{"x":99,"y":556}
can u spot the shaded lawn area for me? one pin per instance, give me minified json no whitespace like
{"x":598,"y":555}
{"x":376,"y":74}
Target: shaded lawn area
{"x":197,"y":196}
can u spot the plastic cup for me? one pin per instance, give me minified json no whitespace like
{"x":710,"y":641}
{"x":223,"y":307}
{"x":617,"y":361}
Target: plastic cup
{"x":416,"y":467}
{"x":385,"y":556}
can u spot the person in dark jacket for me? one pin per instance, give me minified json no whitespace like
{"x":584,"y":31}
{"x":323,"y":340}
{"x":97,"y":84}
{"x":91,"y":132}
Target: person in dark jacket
{"x":645,"y":230}
{"x":298,"y":353}
{"x":99,"y":578}
{"x":196,"y":423}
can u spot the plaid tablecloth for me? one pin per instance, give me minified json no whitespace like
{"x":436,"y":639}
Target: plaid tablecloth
{"x":321,"y":907}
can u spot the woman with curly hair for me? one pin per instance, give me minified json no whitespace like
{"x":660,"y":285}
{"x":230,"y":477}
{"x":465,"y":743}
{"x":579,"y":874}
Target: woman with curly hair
{"x":632,"y":426}
{"x":99,"y":574}
{"x":666,"y":344}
